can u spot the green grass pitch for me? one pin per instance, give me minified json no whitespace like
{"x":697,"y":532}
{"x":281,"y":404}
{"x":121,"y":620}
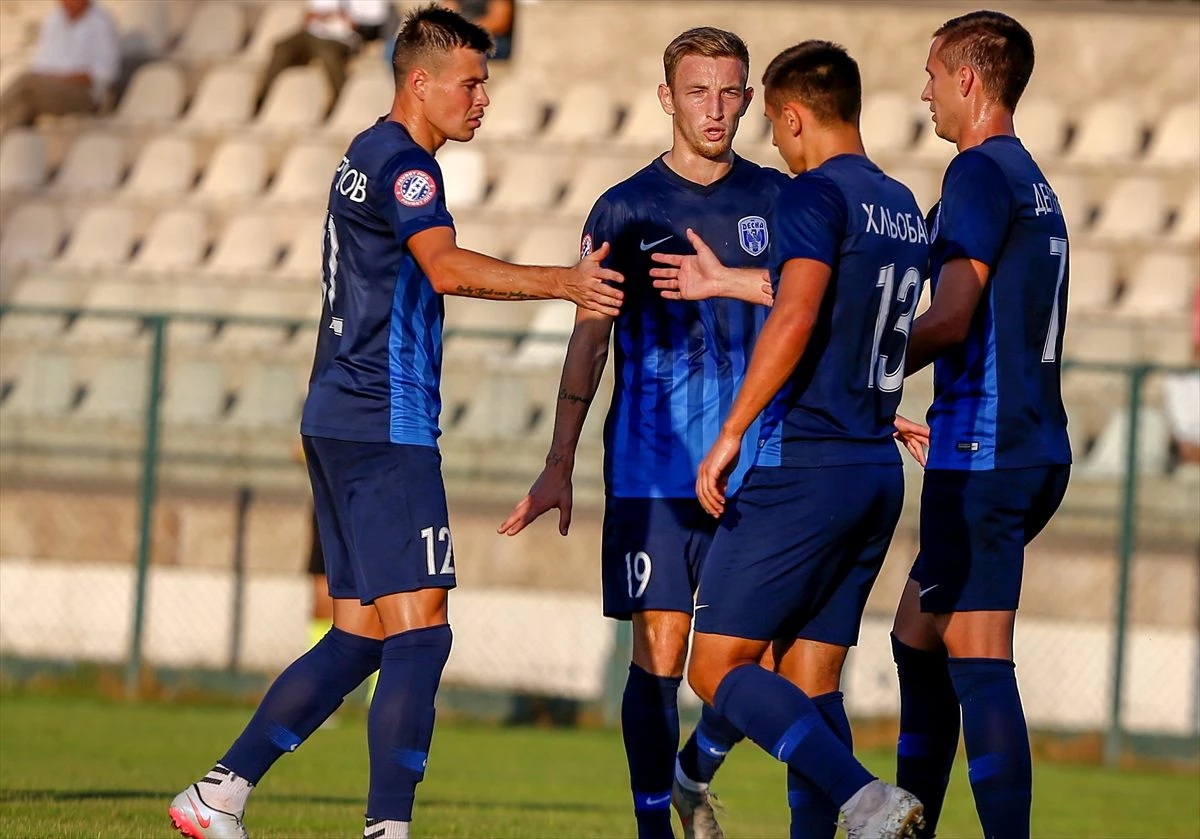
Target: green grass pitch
{"x":72,"y":767}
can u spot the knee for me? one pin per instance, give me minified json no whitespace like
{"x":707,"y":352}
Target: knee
{"x":660,"y":645}
{"x":706,"y":672}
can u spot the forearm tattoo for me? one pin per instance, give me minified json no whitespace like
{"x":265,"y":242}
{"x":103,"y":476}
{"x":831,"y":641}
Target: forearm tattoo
{"x":496,"y":293}
{"x":566,"y":396}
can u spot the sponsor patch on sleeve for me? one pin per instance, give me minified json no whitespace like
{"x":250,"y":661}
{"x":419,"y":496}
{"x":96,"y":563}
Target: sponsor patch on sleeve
{"x":585,"y":247}
{"x":415,"y":188}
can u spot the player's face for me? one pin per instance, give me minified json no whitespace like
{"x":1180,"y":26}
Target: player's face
{"x":942,"y":94}
{"x":786,"y":137}
{"x":706,"y":102}
{"x":455,"y":95}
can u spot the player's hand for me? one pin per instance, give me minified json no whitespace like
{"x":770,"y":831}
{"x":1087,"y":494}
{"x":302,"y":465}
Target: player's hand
{"x":698,"y":276}
{"x":551,"y":489}
{"x":914,"y":436}
{"x":587,"y":284}
{"x":713,"y":476}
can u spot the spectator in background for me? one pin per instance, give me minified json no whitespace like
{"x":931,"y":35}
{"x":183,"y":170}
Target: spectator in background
{"x":74,"y":66}
{"x":1181,"y":395}
{"x":333,"y":31}
{"x":496,"y":16}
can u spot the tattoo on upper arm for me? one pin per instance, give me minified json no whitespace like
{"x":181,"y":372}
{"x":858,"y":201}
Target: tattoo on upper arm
{"x":496,"y":293}
{"x":566,"y":396}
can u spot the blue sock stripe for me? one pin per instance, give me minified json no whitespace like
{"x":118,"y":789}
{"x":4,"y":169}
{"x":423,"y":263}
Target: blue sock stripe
{"x":652,"y":800}
{"x":411,"y":759}
{"x":711,"y":747}
{"x":283,"y":738}
{"x":912,"y":745}
{"x":985,"y":766}
{"x":783,"y":748}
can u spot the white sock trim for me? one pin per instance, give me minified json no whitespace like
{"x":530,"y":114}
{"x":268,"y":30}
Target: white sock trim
{"x":687,"y":783}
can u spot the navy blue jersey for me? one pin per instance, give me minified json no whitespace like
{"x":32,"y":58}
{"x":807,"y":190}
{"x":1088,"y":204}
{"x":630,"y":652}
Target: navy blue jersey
{"x":677,"y":363}
{"x":997,"y":397}
{"x":379,"y":350}
{"x":839,"y":406}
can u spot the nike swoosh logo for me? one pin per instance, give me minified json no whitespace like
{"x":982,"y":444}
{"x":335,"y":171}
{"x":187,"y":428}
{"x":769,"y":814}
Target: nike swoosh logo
{"x":716,"y":752}
{"x":203,"y":822}
{"x":702,"y":606}
{"x":646,"y":247}
{"x":650,"y":802}
{"x":926,"y":591}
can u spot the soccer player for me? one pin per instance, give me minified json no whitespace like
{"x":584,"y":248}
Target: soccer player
{"x":800,"y":546}
{"x":370,"y":433}
{"x":999,"y":456}
{"x":676,"y":366}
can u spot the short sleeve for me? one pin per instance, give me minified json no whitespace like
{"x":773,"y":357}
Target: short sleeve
{"x":976,"y":210}
{"x":810,"y":221}
{"x":411,"y":195}
{"x":599,"y":228}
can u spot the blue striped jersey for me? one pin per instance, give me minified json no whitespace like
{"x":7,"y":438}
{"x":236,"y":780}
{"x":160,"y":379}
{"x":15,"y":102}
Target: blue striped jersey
{"x":677,"y":364}
{"x":839,"y":405}
{"x":997,"y":396}
{"x":379,"y":350}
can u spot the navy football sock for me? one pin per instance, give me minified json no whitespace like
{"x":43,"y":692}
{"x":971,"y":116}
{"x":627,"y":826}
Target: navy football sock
{"x":705,"y":750}
{"x":997,"y":739}
{"x":778,"y":716}
{"x":814,"y":815}
{"x":302,"y":698}
{"x":650,"y":728}
{"x":400,"y":722}
{"x":929,"y":723}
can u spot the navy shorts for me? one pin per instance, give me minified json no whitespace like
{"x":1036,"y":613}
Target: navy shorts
{"x":652,"y":554}
{"x":974,"y":529}
{"x":798,"y":551}
{"x":381,"y":515}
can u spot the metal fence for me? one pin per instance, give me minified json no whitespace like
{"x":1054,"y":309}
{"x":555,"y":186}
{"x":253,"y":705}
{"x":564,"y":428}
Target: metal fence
{"x":140,"y":530}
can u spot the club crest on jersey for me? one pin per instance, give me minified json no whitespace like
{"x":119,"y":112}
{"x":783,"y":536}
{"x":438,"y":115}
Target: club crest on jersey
{"x":585,"y":247}
{"x":752,"y":233}
{"x":415,"y":188}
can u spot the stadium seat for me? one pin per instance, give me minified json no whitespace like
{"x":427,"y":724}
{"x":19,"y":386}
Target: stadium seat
{"x":194,"y":299}
{"x":277,"y":21}
{"x":592,"y":179}
{"x":646,"y":125}
{"x":194,"y":393}
{"x":270,"y":396}
{"x":111,"y":296}
{"x":22,"y":160}
{"x":1074,"y":196}
{"x":498,"y":409}
{"x":224,"y":100}
{"x":530,"y":182}
{"x":305,"y":174}
{"x":586,"y":113}
{"x":931,"y":148}
{"x":1093,"y":280}
{"x":296,"y":102}
{"x":1109,"y":132}
{"x":366,"y":96}
{"x":1162,"y":284}
{"x":154,"y":96}
{"x":33,"y":233}
{"x":926,"y":186}
{"x":1107,"y":458}
{"x":165,"y":168}
{"x":43,"y":292}
{"x":888,"y":124}
{"x":247,"y":246}
{"x":45,"y":388}
{"x":266,"y":303}
{"x":174,"y":244}
{"x":515,"y":113}
{"x":1176,"y":141}
{"x":93,"y":165}
{"x":215,"y":31}
{"x":546,"y":344}
{"x":1135,"y":209}
{"x":117,"y":392}
{"x":1186,"y":229}
{"x":302,"y":262}
{"x":549,"y":243}
{"x":465,"y":176}
{"x":483,"y":236}
{"x":102,"y":239}
{"x":235,"y":174}
{"x":504,"y":321}
{"x":1042,"y":126}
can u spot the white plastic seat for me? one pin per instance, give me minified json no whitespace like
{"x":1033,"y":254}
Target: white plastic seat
{"x":546,"y":345}
{"x":1186,"y":229}
{"x":365,"y":97}
{"x":1074,"y":197}
{"x":22,"y":160}
{"x":1042,"y":126}
{"x":267,"y":303}
{"x":111,"y":297}
{"x":45,"y":388}
{"x":1109,"y":132}
{"x":278,"y":21}
{"x":269,"y":397}
{"x":549,"y":244}
{"x":530,"y":182}
{"x":888,"y":123}
{"x":504,"y":323}
{"x":302,"y":262}
{"x":1107,"y":458}
{"x":498,"y":409}
{"x":235,"y":174}
{"x":117,"y":392}
{"x":1093,"y":280}
{"x":33,"y":233}
{"x":224,"y":100}
{"x":1134,"y":210}
{"x":215,"y":31}
{"x":145,"y":28}
{"x":246,"y":246}
{"x":45,"y":292}
{"x":483,"y":236}
{"x":586,"y":113}
{"x":102,"y":239}
{"x":931,"y":148}
{"x":515,"y":112}
{"x":194,"y":393}
{"x":165,"y":168}
{"x":1160,"y":285}
{"x":94,"y":164}
{"x":464,"y":174}
{"x":593,"y":179}
{"x":304,"y":175}
{"x":155,"y":95}
{"x":646,"y":124}
{"x":296,"y":102}
{"x":1176,"y":139}
{"x":174,"y":243}
{"x":925,"y":186}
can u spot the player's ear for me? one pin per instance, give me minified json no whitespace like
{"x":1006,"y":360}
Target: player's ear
{"x":793,"y":119}
{"x":666,"y":100}
{"x":418,"y":82}
{"x":748,"y":97}
{"x":966,"y":80}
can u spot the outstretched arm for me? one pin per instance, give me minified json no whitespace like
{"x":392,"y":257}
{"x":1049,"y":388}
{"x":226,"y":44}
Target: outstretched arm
{"x":701,"y":275}
{"x":780,"y":345}
{"x":587,"y":354}
{"x":455,"y":270}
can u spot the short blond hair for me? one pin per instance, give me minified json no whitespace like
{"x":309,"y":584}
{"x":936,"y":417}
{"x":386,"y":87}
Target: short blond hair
{"x":707,"y":41}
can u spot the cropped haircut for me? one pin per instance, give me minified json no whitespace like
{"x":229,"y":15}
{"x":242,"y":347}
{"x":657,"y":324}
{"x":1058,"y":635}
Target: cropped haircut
{"x":820,"y":75}
{"x":435,"y":30}
{"x":707,"y":41}
{"x":995,"y":46}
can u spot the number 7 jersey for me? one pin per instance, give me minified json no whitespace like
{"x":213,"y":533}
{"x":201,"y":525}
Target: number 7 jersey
{"x":997,"y":395}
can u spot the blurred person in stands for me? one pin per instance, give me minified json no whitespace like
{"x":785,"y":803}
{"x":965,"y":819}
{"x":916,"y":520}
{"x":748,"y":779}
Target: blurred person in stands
{"x":76,"y":61}
{"x":496,"y":16}
{"x":333,"y":31}
{"x":370,"y":431}
{"x":1181,"y":393}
